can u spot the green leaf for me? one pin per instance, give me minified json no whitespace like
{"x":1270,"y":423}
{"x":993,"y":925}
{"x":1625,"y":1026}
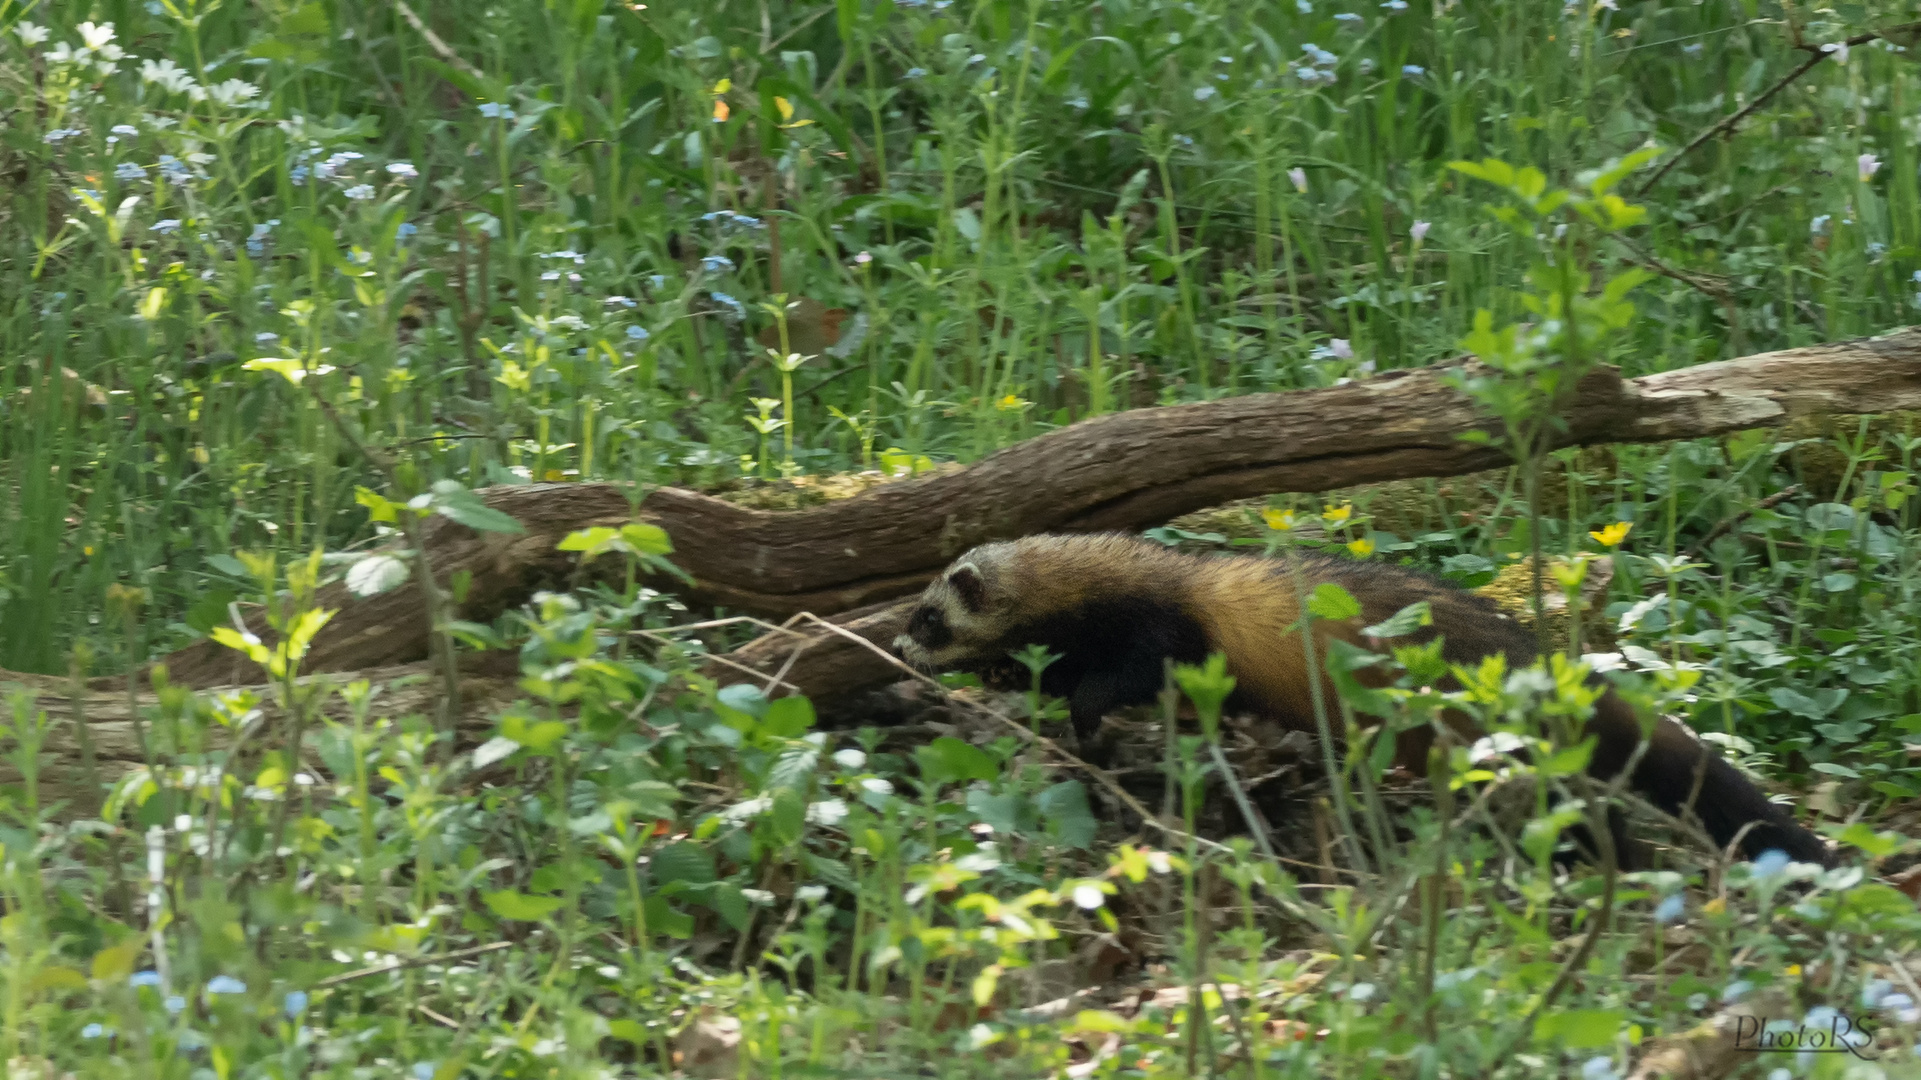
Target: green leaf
{"x":647,"y":539}
{"x":788,"y":717}
{"x":379,"y":507}
{"x":787,"y":817}
{"x":684,"y":861}
{"x":1403,"y":622}
{"x":307,"y":19}
{"x":1009,"y":812}
{"x":536,"y":736}
{"x":520,"y":907}
{"x":209,"y":610}
{"x":248,"y":645}
{"x":592,"y":541}
{"x":1069,"y":819}
{"x":629,"y":1031}
{"x":1569,"y":760}
{"x":452,"y":500}
{"x":1330,"y":601}
{"x":667,"y":919}
{"x":949,"y":760}
{"x":1878,"y":845}
{"x":1581,"y":1029}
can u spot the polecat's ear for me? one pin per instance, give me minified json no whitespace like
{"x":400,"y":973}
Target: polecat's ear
{"x":969,"y":586}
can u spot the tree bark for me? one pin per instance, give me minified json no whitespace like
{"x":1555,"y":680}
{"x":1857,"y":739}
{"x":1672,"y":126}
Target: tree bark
{"x":1124,"y":471}
{"x":104,"y":707}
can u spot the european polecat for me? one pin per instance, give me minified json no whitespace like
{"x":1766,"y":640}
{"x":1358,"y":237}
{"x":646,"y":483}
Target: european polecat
{"x":1114,"y":608}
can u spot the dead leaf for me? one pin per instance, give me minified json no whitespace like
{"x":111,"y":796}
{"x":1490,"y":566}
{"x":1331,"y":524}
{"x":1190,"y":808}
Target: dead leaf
{"x":709,"y":1047}
{"x":812,"y":328}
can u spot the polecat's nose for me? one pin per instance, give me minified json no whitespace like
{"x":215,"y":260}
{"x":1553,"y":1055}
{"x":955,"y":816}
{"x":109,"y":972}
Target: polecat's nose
{"x":899,"y":648}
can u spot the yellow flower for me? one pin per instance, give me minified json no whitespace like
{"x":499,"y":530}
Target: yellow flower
{"x":1613,"y":534}
{"x":1279,"y":520}
{"x":1715,"y":906}
{"x":787,"y":114}
{"x":1336,"y":516}
{"x":1361,"y":548}
{"x":723,"y":86}
{"x":1010,"y":403}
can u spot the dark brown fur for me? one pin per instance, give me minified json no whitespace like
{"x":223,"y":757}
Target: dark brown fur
{"x":1115,"y":608}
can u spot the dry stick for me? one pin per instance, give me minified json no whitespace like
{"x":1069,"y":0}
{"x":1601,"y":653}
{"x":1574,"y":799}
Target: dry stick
{"x":1730,"y":121}
{"x":1716,"y":290}
{"x":433,"y":42}
{"x":1728,"y":524}
{"x":413,"y":961}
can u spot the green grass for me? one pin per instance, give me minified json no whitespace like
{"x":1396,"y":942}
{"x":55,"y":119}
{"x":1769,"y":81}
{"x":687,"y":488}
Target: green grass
{"x":539,"y":240}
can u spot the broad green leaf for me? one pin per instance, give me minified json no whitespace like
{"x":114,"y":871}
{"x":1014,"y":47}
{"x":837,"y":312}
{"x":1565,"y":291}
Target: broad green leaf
{"x":1581,"y":1029}
{"x":520,"y":907}
{"x":379,"y":507}
{"x":1403,"y":622}
{"x":249,"y":645}
{"x":788,"y":717}
{"x":947,"y":760}
{"x":1069,"y":818}
{"x":1330,"y":601}
{"x":451,"y":500}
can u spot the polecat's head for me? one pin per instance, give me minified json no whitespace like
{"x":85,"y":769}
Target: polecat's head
{"x":960,"y":620}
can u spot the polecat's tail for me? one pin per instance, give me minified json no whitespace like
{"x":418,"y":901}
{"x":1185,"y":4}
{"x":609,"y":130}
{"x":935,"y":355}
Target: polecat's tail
{"x":1684,"y":777}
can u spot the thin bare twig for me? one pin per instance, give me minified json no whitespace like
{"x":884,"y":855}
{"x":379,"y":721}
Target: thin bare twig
{"x":1728,"y":524}
{"x":1729,"y":122}
{"x":412,"y":962}
{"x":436,"y":44}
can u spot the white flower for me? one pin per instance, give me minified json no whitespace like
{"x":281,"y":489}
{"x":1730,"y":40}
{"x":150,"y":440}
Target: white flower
{"x":1869,"y":165}
{"x":1838,"y":48}
{"x":360,"y":191}
{"x":95,"y":36}
{"x":30,"y":34}
{"x":233,"y":92}
{"x":1419,"y":230}
{"x":1341,"y":349}
{"x":167,"y":74}
{"x":403,"y":169}
{"x":1299,"y":178}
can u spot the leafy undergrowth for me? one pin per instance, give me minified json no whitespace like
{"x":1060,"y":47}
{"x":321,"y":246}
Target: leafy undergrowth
{"x":642,"y":871}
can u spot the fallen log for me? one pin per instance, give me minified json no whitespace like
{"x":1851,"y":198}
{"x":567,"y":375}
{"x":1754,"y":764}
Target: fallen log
{"x":104,"y":714}
{"x":1123,"y":471}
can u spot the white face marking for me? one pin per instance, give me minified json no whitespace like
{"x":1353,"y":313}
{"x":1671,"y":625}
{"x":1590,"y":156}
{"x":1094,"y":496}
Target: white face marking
{"x":943,"y":633}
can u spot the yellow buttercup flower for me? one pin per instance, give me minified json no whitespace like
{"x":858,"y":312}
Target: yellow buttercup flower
{"x":1613,"y":534}
{"x":1361,"y":548}
{"x":1337,"y":516}
{"x":1279,"y":520}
